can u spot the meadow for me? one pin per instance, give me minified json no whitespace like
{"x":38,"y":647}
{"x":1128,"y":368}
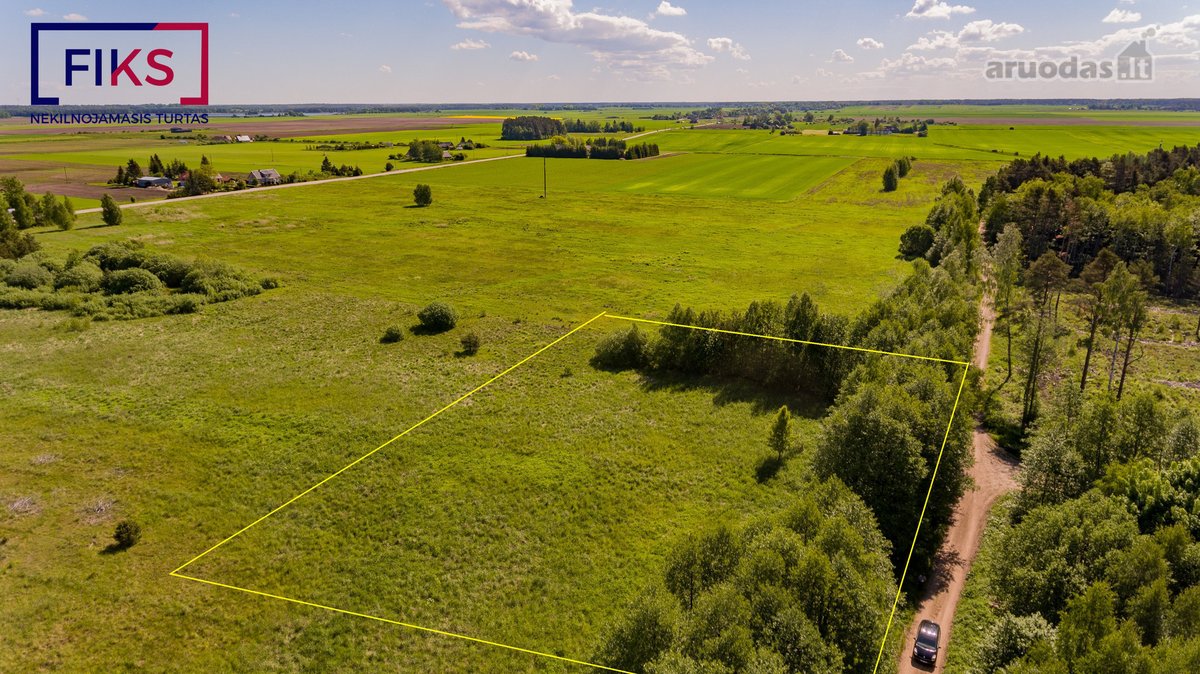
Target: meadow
{"x":197,"y":425}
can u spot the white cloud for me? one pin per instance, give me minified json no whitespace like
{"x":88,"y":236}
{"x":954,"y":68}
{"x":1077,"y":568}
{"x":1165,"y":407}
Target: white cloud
{"x":840,"y":56}
{"x":36,"y":11}
{"x":1122,"y":16}
{"x":470,"y":44}
{"x":916,"y":64}
{"x":725,"y":44}
{"x":796,"y":79}
{"x":623,"y":43}
{"x":821,"y":72}
{"x":743,"y":71}
{"x":74,"y":16}
{"x":523,"y":56}
{"x":936,"y":9}
{"x":234,"y":15}
{"x":667,"y":9}
{"x":973,"y":33}
{"x":869,"y":43}
{"x":385,"y":69}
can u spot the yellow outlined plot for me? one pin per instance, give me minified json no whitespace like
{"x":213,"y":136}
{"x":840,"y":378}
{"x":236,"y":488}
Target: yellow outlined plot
{"x":177,"y":573}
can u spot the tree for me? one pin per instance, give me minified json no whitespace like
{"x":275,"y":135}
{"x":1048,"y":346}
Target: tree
{"x":14,"y":244}
{"x":127,"y":534}
{"x":1046,"y":276}
{"x":643,"y":633}
{"x":422,"y":195}
{"x":1093,"y":304}
{"x":67,"y":216}
{"x":1087,"y":619}
{"x":1126,"y":315}
{"x":110,"y":211}
{"x":204,"y":160}
{"x":199,"y":181}
{"x":891,"y":179}
{"x":389,"y":166}
{"x":22,"y":214}
{"x":1006,"y":262}
{"x":119,"y":179}
{"x":781,"y":433}
{"x":916,"y":241}
{"x":133,"y":171}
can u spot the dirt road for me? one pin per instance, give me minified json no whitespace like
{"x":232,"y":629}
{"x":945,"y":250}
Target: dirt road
{"x":994,"y":474}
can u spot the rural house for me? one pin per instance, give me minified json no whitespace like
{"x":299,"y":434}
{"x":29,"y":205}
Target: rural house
{"x":266,"y":177}
{"x":244,"y":139}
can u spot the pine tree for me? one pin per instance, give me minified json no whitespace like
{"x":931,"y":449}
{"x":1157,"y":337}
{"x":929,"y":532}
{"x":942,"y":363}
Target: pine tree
{"x":204,"y":160}
{"x":120,"y":177}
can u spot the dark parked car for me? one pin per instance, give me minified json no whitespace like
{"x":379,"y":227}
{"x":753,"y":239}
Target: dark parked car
{"x":926,"y":648}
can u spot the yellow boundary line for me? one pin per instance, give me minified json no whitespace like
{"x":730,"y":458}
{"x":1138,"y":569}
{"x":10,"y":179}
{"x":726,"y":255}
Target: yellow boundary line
{"x":966,"y":367}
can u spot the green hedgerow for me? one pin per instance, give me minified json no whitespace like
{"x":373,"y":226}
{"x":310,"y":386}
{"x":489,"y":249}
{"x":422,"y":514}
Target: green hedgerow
{"x":623,"y":350}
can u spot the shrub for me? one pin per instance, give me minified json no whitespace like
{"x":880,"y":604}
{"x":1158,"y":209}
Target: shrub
{"x":1011,"y":637}
{"x":270,"y":283}
{"x":168,"y":268}
{"x":127,"y":534}
{"x":916,"y":241}
{"x":623,"y":350}
{"x":83,"y":276}
{"x":133,"y":280}
{"x":422,"y":195}
{"x":218,"y":281}
{"x":392,"y":335}
{"x":471,"y":343}
{"x":28,"y":274}
{"x":438,"y":317}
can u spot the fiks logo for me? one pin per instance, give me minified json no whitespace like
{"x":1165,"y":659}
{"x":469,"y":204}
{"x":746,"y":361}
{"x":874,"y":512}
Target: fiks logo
{"x":119,"y":63}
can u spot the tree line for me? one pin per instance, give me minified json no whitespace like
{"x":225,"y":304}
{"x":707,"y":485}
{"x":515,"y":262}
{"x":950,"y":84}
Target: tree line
{"x":563,"y":147}
{"x":595,"y":126}
{"x":528,"y":127}
{"x":28,"y":211}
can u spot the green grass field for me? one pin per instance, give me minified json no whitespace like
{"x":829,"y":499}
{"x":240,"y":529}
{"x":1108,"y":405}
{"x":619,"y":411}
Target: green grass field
{"x":527,"y":514}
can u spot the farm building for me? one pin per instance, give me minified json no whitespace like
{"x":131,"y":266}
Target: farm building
{"x":244,"y":139}
{"x":153,"y":181}
{"x":446,"y":154}
{"x":266,"y":177}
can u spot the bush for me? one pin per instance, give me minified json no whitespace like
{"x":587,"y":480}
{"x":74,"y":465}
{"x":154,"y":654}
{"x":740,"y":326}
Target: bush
{"x":218,"y":281}
{"x":392,"y":335}
{"x":83,"y":276}
{"x":438,"y":317}
{"x":422,"y":195}
{"x":133,"y":280}
{"x":28,"y":274}
{"x":127,"y":534}
{"x":471,"y":343}
{"x":916,"y":241}
{"x":624,"y":350}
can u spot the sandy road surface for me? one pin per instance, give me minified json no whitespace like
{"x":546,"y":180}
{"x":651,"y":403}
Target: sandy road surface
{"x":994,"y":474}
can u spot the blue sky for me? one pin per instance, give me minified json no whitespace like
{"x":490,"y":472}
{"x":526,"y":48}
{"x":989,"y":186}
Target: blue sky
{"x":415,"y":51}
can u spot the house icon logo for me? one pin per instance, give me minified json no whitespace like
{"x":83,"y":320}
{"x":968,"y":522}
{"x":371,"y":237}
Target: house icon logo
{"x":1135,"y":64}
